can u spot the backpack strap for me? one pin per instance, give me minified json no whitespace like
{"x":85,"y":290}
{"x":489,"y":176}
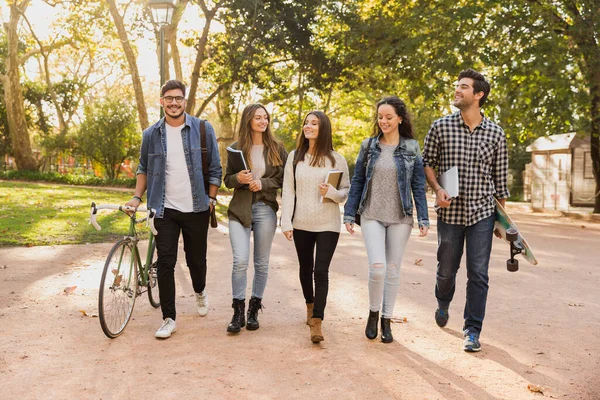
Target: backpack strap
{"x":204,"y":152}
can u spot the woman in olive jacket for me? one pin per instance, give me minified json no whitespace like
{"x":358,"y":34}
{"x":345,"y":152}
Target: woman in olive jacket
{"x":253,"y":208}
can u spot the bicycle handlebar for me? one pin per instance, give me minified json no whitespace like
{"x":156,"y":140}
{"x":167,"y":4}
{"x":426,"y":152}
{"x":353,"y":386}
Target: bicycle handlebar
{"x":149,"y":221}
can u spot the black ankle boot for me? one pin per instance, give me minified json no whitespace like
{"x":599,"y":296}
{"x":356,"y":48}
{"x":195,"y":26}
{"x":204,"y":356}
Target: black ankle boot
{"x":371,"y":330}
{"x":254,"y":305}
{"x":238,"y":321}
{"x":386,"y":331}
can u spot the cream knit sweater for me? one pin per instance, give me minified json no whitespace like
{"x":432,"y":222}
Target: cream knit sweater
{"x":312,"y":215}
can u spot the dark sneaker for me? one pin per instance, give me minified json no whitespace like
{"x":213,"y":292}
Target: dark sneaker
{"x":441,"y":317}
{"x":471,"y":343}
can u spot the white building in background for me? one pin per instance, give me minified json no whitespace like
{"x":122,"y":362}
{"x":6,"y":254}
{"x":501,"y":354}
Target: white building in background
{"x":560,"y":173}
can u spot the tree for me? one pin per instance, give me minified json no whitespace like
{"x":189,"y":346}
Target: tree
{"x":13,"y":95}
{"x":131,"y":61}
{"x":574,"y":27}
{"x":109,"y":135}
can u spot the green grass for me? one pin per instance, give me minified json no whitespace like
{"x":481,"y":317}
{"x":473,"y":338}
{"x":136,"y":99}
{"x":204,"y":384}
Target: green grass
{"x":34,"y":214}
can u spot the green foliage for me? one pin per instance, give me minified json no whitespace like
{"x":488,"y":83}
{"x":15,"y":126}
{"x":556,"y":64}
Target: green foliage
{"x":109,"y":135}
{"x":36,"y":214}
{"x":71,"y":179}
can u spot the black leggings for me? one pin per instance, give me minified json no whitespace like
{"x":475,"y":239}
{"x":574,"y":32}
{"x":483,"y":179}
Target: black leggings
{"x":319,"y":263}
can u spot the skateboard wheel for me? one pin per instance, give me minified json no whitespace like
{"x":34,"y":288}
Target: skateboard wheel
{"x":512,"y":235}
{"x":512,"y":265}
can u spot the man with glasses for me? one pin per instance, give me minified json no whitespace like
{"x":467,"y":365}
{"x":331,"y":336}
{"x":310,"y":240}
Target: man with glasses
{"x":171,"y":168}
{"x":468,"y":140}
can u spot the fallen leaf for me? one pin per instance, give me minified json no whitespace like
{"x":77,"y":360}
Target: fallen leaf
{"x":118,"y":280}
{"x":419,"y":262}
{"x":69,"y":290}
{"x":534,"y":388}
{"x":83,"y":313}
{"x":399,"y":320}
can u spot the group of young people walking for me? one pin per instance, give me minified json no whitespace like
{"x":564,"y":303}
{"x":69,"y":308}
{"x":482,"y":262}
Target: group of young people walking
{"x":387,"y":185}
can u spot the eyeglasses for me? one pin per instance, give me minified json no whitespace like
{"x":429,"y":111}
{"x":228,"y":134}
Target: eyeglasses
{"x":169,"y":99}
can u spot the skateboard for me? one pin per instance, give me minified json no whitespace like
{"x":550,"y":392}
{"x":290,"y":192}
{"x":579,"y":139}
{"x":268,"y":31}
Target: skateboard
{"x":509,"y":232}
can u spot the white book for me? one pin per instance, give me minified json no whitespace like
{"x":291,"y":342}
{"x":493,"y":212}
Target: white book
{"x":449,"y":181}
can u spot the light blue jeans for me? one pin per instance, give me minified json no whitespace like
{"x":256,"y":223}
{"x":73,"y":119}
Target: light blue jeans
{"x":385,"y":245}
{"x":264,"y":224}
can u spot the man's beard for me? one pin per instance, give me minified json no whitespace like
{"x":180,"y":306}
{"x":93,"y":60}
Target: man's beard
{"x":175,"y":116}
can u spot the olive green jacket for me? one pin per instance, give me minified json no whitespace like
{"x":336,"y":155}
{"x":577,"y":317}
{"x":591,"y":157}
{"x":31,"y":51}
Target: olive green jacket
{"x":240,"y":207}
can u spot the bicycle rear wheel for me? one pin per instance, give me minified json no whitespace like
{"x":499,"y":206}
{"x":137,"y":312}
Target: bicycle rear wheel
{"x":153,"y":293}
{"x":118,"y":289}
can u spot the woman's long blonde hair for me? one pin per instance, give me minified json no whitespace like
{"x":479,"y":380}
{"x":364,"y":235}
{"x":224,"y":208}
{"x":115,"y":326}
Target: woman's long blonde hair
{"x":245,"y":137}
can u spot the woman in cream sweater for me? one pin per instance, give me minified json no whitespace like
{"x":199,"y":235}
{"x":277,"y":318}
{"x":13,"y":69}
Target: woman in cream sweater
{"x":310,"y":211}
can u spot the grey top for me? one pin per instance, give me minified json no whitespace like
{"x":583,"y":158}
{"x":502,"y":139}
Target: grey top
{"x":383,"y":202}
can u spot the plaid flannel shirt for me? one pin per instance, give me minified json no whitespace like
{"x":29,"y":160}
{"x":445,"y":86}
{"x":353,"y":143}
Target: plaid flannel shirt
{"x":482,"y":160}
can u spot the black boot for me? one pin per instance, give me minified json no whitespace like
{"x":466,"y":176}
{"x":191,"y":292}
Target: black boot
{"x":253,"y":307}
{"x":371,"y":330}
{"x":238,"y":321}
{"x":386,"y":331}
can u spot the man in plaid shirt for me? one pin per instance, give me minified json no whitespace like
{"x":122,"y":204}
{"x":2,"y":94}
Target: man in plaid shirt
{"x":477,"y":147}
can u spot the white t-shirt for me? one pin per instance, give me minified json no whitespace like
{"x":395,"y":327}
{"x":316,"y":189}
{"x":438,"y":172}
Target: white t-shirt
{"x":178,"y":188}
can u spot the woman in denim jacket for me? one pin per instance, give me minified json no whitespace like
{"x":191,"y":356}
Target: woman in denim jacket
{"x":390,"y":157}
{"x":253,"y":208}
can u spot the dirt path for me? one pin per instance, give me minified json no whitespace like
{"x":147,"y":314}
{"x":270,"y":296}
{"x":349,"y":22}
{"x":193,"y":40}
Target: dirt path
{"x":542,"y":328}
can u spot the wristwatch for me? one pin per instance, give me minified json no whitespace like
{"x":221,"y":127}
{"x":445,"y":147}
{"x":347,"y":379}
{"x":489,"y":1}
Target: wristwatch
{"x":212,"y":201}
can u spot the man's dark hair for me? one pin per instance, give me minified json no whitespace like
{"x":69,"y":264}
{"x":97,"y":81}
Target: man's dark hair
{"x":479,"y":83}
{"x":172,"y":84}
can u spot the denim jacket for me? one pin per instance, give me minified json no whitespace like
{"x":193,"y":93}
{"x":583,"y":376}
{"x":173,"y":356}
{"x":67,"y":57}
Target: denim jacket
{"x":153,"y":162}
{"x":411,"y":178}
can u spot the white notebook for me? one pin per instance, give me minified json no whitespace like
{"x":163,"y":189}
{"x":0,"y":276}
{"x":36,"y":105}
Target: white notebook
{"x":449,"y":181}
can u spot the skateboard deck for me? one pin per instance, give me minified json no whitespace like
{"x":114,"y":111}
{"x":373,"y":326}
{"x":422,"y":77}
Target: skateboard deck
{"x":503,"y":223}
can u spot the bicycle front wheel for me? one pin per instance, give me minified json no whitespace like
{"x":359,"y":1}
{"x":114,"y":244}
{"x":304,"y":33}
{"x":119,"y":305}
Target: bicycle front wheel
{"x":118,"y":289}
{"x":153,"y":293}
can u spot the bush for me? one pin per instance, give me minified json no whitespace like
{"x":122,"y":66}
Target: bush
{"x":90,"y":180}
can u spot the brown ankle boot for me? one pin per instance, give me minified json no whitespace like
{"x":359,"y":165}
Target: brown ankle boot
{"x":309,"y":312}
{"x":316,"y":335}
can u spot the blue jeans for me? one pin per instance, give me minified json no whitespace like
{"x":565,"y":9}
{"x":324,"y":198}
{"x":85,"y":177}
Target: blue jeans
{"x":385,"y":244}
{"x":264,"y":224}
{"x":451,"y":240}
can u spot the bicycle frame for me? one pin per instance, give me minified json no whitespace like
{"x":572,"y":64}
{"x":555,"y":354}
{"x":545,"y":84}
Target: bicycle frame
{"x":133,"y":237}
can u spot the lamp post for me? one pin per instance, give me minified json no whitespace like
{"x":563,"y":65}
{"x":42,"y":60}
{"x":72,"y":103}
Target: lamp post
{"x":162,"y":12}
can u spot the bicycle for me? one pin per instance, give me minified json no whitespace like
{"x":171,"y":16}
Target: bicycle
{"x":124,"y":277}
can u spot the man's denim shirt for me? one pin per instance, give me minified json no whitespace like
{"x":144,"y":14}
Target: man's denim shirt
{"x":153,"y":162}
{"x":411,"y":178}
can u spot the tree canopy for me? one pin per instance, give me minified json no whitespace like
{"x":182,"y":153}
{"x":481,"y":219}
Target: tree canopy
{"x":542,"y":58}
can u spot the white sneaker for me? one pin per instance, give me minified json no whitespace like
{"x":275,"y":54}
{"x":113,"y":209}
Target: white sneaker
{"x":166,"y":329}
{"x":202,"y":303}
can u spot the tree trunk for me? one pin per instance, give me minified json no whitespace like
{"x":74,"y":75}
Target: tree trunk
{"x":208,"y":17}
{"x":226,"y":134}
{"x":172,"y":39}
{"x":13,"y":95}
{"x":132,"y":62}
{"x":595,"y":132}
